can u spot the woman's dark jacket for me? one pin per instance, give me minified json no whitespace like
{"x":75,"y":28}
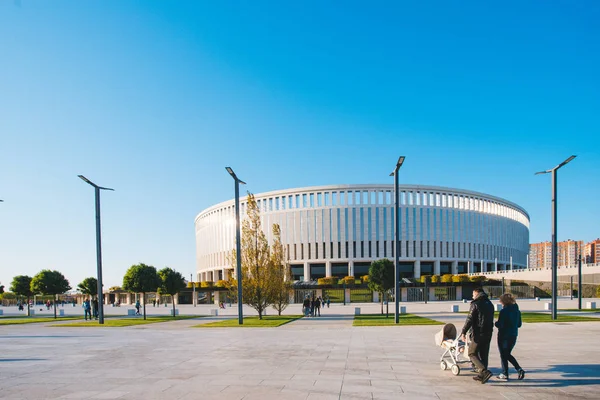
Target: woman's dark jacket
{"x":509,"y":321}
{"x":481,"y":317}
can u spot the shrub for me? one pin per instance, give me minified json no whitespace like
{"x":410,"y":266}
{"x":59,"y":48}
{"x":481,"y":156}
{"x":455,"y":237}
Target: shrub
{"x":222,"y":283}
{"x":348,"y":279}
{"x":435,"y":279}
{"x":460,"y":278}
{"x":327,"y":281}
{"x":598,"y":291}
{"x":207,"y":284}
{"x":446,"y":278}
{"x":365,"y":278}
{"x":195,"y":284}
{"x":477,"y":279}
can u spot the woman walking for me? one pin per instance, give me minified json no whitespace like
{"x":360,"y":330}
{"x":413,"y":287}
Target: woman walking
{"x":508,"y":325}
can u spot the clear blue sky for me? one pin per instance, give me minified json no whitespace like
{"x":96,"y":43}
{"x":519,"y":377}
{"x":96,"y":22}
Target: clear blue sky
{"x":155,"y":98}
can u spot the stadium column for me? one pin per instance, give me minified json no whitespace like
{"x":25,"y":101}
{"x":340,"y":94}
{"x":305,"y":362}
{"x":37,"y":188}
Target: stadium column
{"x":306,"y":272}
{"x":454,"y":267}
{"x":417,"y":269}
{"x":327,"y":268}
{"x":351,"y":268}
{"x":436,"y":267}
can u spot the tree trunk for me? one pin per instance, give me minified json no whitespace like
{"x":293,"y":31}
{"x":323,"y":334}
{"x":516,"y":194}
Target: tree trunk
{"x":173,"y":300}
{"x":54,"y":306}
{"x":28,"y":308}
{"x":381,"y":295}
{"x":144,"y":304}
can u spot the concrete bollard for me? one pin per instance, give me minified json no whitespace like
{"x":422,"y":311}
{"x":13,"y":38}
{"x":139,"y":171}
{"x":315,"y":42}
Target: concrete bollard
{"x":176,"y":312}
{"x":131,"y":312}
{"x":590,"y":305}
{"x":537,"y":299}
{"x":61,"y":313}
{"x":465,"y":300}
{"x":356,"y":310}
{"x":32,"y":312}
{"x":1,"y":312}
{"x":548,"y":306}
{"x":498,"y":307}
{"x":214,"y":312}
{"x":402,"y":309}
{"x":454,"y":308}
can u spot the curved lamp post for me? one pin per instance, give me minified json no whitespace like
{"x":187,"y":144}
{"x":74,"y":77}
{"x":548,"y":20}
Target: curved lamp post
{"x":238,"y":245}
{"x":397,"y":241}
{"x":98,"y":246}
{"x":554,"y":171}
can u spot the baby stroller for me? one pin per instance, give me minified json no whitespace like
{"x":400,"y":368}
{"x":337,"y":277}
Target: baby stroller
{"x":456,"y":350}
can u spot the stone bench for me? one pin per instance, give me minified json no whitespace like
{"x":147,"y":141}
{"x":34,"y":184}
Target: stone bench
{"x":130,"y":312}
{"x":176,"y":312}
{"x":214,"y":312}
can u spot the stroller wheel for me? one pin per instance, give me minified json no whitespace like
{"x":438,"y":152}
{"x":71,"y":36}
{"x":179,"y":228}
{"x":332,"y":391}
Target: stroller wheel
{"x":455,"y":369}
{"x":443,"y":365}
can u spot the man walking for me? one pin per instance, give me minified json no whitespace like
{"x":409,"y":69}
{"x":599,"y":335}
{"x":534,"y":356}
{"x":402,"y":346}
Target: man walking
{"x":87,"y":309}
{"x":95,"y":308}
{"x":481,"y":321}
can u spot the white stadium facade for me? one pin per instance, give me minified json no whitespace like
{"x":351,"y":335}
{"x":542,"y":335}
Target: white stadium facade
{"x":339,"y":230}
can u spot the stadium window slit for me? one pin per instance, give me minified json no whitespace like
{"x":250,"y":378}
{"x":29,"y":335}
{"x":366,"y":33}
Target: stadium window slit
{"x":326,"y":195}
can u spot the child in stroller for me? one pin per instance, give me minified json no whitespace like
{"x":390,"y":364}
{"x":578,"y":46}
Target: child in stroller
{"x":455,"y":349}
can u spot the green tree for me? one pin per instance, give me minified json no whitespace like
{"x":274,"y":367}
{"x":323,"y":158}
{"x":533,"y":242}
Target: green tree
{"x":171,"y":283}
{"x":48,"y":282}
{"x":1,"y":289}
{"x":21,"y":286}
{"x":281,"y":283}
{"x":89,"y":287}
{"x":381,"y":279}
{"x":141,"y":278}
{"x":257,"y":290}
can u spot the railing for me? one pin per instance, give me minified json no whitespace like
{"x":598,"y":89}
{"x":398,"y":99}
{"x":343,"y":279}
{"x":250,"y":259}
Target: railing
{"x":518,"y":270}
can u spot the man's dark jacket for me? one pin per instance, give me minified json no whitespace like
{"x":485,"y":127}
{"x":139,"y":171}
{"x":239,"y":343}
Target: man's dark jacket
{"x":481,"y":317}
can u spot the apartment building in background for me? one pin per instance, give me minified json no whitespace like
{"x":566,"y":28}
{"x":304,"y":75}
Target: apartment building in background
{"x":540,"y":254}
{"x":591,"y":252}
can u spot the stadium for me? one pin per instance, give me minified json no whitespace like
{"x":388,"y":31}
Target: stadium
{"x":339,"y":230}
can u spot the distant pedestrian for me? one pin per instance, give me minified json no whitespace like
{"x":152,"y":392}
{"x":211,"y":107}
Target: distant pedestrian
{"x":48,"y":304}
{"x":328,"y":301}
{"x":306,"y":307}
{"x":318,"y":306}
{"x":95,"y":308}
{"x":481,"y":320}
{"x":137,"y":307}
{"x":87,"y":309}
{"x":508,"y":324}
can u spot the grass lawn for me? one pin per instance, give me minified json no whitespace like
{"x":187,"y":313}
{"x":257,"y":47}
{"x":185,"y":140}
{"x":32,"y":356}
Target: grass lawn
{"x":120,"y":322}
{"x":535,"y":317}
{"x":18,"y":320}
{"x":269,"y":321}
{"x":381,"y":320}
{"x":578,"y":310}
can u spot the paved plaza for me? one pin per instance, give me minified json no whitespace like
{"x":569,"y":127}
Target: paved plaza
{"x":316,"y":358}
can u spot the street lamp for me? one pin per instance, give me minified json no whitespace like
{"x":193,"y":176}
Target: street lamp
{"x":397,"y":241}
{"x":98,"y":246}
{"x":554,"y":231}
{"x":193,"y":290}
{"x":238,"y":245}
